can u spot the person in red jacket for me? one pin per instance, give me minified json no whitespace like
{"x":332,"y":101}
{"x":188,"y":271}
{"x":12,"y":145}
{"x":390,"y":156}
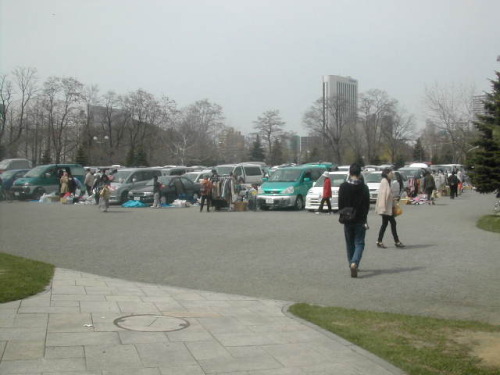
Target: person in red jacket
{"x":327,"y":193}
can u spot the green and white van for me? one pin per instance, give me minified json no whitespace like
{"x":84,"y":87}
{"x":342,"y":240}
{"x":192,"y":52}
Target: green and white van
{"x":288,"y":187}
{"x":44,"y":179}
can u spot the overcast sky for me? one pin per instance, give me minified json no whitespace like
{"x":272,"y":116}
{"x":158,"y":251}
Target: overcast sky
{"x":252,"y":56}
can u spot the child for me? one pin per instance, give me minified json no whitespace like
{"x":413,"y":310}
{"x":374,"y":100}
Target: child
{"x":104,"y":196}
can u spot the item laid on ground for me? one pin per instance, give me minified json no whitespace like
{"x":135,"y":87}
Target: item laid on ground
{"x":181,"y":203}
{"x":129,"y":204}
{"x":240,"y":205}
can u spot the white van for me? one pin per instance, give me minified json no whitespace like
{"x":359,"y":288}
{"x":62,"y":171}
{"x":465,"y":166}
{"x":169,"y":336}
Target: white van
{"x":314,"y":195}
{"x":9,"y":164}
{"x":251,"y":173}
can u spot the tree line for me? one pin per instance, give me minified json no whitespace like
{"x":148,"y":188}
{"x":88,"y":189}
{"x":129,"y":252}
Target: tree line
{"x":61,"y":119}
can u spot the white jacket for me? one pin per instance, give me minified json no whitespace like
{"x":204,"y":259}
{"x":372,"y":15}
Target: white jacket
{"x":385,"y":198}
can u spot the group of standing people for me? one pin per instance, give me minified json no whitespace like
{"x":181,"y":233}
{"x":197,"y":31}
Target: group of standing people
{"x":68,"y":185}
{"x":354,"y":197}
{"x":219,"y":191}
{"x":98,"y":184}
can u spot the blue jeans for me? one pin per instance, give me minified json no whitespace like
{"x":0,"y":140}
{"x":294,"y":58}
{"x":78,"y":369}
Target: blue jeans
{"x":355,"y":241}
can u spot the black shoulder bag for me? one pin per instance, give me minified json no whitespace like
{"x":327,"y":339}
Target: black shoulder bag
{"x":347,"y":215}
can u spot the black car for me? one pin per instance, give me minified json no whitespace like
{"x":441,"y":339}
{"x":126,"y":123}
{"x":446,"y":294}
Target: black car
{"x":172,"y":188}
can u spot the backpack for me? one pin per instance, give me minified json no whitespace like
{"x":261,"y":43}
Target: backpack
{"x":452,"y":180}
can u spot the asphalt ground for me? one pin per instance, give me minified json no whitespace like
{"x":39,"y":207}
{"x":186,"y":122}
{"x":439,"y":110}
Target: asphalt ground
{"x":449,"y":268}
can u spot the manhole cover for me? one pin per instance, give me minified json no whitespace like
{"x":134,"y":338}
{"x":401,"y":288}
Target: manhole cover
{"x":151,"y":323}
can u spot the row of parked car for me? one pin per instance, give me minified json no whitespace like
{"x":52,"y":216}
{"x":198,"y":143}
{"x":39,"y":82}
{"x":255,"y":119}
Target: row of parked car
{"x":298,"y":186}
{"x":126,"y":183}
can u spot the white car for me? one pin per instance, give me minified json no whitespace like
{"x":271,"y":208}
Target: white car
{"x":372,"y":180}
{"x":196,"y":177}
{"x":313,"y":197}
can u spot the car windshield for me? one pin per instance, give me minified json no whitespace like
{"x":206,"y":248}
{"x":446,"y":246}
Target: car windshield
{"x":4,"y":164}
{"x":285,"y":175}
{"x":221,"y":171}
{"x":191,"y":175}
{"x":35,"y":172}
{"x":410,"y":172}
{"x":165,"y":180}
{"x":8,"y":174}
{"x":336,"y":179}
{"x":252,"y":171}
{"x":373,"y":177}
{"x":121,"y":176}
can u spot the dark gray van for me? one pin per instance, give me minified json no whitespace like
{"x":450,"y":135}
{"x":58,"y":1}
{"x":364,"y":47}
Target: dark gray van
{"x":9,"y":164}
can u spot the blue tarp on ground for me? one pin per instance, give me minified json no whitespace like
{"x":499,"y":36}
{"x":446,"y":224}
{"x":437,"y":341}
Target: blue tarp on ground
{"x":134,"y":204}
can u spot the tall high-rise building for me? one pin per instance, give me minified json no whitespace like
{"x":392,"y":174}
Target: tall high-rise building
{"x":478,"y":105}
{"x":345,"y":91}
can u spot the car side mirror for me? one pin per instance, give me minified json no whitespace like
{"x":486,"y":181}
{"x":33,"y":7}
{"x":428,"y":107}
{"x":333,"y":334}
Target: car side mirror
{"x":307,"y":179}
{"x":134,"y":179}
{"x":265,"y":179}
{"x":47,"y":175}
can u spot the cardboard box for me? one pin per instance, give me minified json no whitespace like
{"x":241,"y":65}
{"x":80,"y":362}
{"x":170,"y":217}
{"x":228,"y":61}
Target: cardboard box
{"x":240,"y":206}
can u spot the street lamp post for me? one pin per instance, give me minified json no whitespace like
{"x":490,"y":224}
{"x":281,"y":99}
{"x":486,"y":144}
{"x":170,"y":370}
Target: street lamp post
{"x":100,"y":141}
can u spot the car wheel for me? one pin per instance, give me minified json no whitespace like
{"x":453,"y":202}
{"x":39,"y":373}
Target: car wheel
{"x":37,"y":194}
{"x":299,"y":203}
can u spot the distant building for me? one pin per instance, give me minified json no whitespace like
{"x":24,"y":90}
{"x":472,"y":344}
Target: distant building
{"x":345,"y":89}
{"x":478,"y":105}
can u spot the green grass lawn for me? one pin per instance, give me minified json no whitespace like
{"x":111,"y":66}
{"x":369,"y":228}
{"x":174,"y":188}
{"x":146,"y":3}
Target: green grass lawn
{"x":490,"y":223}
{"x":417,"y":345}
{"x":21,"y":278}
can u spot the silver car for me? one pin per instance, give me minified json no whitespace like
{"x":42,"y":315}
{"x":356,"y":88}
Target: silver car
{"x":127,"y":179}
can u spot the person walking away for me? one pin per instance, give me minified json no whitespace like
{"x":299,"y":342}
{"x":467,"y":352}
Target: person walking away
{"x":89,"y":181}
{"x":327,"y":193}
{"x":429,"y":186}
{"x":354,"y":193}
{"x":104,"y":194}
{"x":98,"y":184}
{"x":156,"y":193}
{"x":453,"y":182}
{"x":206,"y":193}
{"x":384,"y":206}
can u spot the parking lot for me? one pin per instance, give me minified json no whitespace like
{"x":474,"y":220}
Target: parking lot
{"x":448,"y":269}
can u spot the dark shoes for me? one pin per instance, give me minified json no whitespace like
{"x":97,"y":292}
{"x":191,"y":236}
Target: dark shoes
{"x":354,"y":270}
{"x":399,"y":244}
{"x":381,"y":245}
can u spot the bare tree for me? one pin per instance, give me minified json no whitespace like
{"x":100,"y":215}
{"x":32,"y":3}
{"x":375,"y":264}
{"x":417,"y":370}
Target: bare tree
{"x":329,"y":119}
{"x":270,"y":127}
{"x":450,"y":109}
{"x":5,"y":102}
{"x":90,"y":98}
{"x":26,"y":81}
{"x":144,"y":111}
{"x":198,"y":132}
{"x":61,"y":96}
{"x":375,"y":107}
{"x":398,"y":129}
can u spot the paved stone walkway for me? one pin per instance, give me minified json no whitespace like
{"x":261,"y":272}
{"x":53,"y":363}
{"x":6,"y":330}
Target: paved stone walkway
{"x":87,"y":324}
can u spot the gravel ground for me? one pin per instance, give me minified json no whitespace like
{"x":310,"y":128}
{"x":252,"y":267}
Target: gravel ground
{"x":448,"y":269}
